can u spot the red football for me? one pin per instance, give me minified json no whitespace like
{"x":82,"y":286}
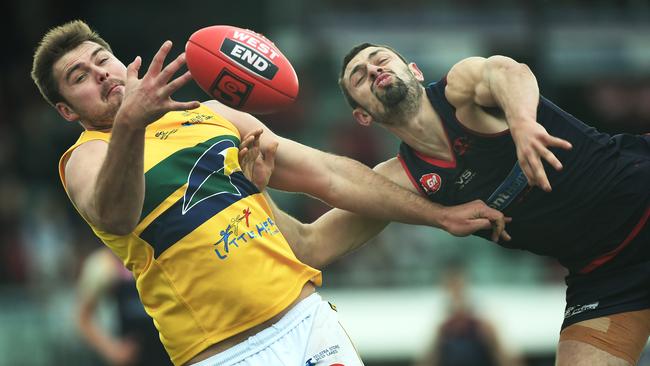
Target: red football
{"x":241,"y":69}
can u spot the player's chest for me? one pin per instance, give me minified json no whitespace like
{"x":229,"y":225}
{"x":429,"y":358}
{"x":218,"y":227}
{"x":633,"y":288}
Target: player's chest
{"x":474,"y":173}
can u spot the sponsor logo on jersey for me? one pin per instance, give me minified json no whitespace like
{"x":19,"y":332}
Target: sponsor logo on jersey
{"x":461,"y":145}
{"x":220,"y":158}
{"x":235,"y":221}
{"x":512,"y":186}
{"x":465,"y":178}
{"x":163,"y":135}
{"x":577,"y":309}
{"x":194,"y":117}
{"x":230,"y":237}
{"x":431,"y":182}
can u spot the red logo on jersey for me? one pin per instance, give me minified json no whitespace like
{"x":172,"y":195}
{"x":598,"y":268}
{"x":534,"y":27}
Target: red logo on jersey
{"x":431,"y":182}
{"x":247,"y":212}
{"x":461,"y":145}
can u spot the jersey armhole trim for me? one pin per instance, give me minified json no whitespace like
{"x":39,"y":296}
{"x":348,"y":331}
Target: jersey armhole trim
{"x":408,"y":174}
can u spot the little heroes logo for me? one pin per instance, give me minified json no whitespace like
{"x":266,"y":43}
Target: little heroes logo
{"x":230,"y":236}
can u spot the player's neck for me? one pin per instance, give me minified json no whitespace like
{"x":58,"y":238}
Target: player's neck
{"x":424,"y":131}
{"x":101,"y":127}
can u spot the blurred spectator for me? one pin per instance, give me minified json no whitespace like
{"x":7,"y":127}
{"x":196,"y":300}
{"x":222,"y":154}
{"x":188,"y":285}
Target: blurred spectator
{"x":464,"y":338}
{"x":621,"y":105}
{"x":104,"y":278}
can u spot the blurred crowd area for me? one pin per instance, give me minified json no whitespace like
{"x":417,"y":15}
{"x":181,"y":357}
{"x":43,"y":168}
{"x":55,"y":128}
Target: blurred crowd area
{"x":591,"y":57}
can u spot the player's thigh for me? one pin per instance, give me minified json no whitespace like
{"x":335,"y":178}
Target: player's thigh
{"x":610,"y":340}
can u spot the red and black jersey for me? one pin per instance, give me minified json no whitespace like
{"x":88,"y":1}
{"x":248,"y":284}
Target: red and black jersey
{"x":599,"y":200}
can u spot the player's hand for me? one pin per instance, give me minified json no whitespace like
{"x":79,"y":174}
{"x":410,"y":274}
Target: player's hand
{"x":533,"y":143}
{"x":146,"y":100}
{"x":257,"y":163}
{"x":465,"y":219}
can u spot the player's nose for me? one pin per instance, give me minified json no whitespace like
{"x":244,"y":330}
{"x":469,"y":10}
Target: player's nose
{"x":374,"y":70}
{"x":100,"y":73}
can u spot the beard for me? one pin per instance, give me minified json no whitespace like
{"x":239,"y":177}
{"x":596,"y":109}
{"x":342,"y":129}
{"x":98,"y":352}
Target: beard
{"x":101,"y":119}
{"x":400,"y":100}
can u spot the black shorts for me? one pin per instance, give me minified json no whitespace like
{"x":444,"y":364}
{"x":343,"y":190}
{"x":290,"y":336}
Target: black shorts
{"x":617,"y":287}
{"x":623,"y":283}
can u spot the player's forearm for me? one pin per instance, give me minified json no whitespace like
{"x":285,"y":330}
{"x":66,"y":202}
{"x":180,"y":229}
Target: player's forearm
{"x":294,"y":231}
{"x":333,"y":235}
{"x":338,"y":233}
{"x":357,"y":188}
{"x":349,"y":185}
{"x":119,"y":191}
{"x":514,"y":87}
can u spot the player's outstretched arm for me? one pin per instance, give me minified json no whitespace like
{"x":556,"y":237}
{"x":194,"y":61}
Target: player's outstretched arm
{"x":333,"y":235}
{"x":330,"y":237}
{"x":500,"y":81}
{"x":347,"y":184}
{"x":106,"y":181}
{"x":339,"y":232}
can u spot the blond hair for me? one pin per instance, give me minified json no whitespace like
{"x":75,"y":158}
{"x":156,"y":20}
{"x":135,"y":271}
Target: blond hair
{"x":55,"y":44}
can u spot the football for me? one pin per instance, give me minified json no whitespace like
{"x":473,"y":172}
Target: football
{"x":241,"y":69}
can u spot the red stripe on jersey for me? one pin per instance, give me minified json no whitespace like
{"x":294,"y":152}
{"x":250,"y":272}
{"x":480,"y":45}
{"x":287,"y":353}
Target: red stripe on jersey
{"x":408,"y":173}
{"x":607,"y":257}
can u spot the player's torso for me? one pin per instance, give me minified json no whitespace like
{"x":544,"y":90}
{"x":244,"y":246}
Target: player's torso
{"x":559,"y":223}
{"x":208,"y":259}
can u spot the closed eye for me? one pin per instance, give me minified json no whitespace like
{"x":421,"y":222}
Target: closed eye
{"x":360,"y":79}
{"x":80,"y":78}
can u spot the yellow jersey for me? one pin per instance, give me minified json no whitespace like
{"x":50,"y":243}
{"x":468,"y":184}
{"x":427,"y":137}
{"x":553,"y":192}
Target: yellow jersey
{"x":208,"y":259}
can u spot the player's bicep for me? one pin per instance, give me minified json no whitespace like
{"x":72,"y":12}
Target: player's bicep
{"x":467,"y":83}
{"x":297,"y":167}
{"x":81,"y":171}
{"x":244,"y":122}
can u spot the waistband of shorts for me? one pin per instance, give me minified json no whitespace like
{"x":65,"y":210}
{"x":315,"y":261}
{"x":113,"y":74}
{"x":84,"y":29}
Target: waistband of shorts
{"x":267,"y":336}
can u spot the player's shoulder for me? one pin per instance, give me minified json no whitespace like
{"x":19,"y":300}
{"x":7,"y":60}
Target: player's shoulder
{"x":225,"y":111}
{"x":88,"y":152}
{"x":465,"y":72}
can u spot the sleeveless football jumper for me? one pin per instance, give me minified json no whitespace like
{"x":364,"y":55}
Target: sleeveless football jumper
{"x":599,"y":200}
{"x":208,"y":259}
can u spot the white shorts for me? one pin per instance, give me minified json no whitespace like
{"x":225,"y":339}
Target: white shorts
{"x":309,"y":334}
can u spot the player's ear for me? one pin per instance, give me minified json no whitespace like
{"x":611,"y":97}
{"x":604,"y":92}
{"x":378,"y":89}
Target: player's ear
{"x":66,"y":112}
{"x":419,"y":76}
{"x":363,"y":118}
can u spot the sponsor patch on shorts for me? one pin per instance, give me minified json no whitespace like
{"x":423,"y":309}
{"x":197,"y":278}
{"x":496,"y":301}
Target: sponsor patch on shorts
{"x":577,"y":309}
{"x":323,"y":354}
